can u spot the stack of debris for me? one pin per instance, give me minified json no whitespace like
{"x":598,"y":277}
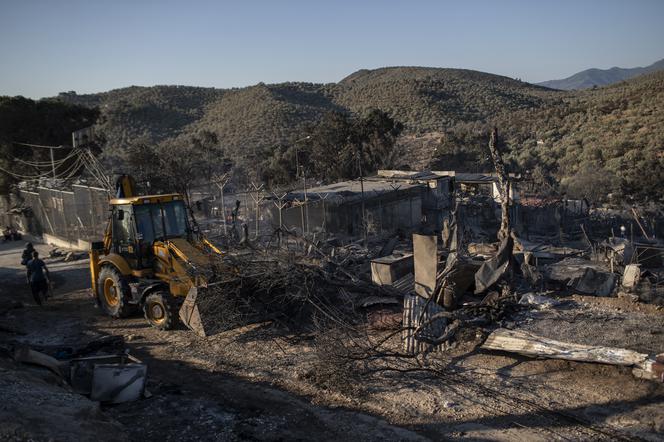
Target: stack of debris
{"x":101,"y":369}
{"x":66,"y":255}
{"x":294,"y":292}
{"x":643,"y":284}
{"x":581,"y":276}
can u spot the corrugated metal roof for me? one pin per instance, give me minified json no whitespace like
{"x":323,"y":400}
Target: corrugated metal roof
{"x":352,"y":189}
{"x":475,"y":178}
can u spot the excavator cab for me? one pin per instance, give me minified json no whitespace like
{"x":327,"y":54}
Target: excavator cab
{"x":136,"y":226}
{"x":150,"y":258}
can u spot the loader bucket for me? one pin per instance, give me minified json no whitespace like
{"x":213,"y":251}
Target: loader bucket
{"x":189,"y":312}
{"x":204,"y":311}
{"x":209,"y":310}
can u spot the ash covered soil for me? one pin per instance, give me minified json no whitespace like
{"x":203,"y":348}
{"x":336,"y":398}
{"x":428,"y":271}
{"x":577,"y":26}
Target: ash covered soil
{"x":259,"y":384}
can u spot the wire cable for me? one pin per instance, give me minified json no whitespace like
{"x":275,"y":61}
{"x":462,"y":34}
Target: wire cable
{"x":46,"y":163}
{"x":42,"y":146}
{"x":24,"y":177}
{"x":59,"y":173}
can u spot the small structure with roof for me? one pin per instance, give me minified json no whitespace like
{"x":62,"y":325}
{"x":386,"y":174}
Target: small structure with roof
{"x":392,"y":201}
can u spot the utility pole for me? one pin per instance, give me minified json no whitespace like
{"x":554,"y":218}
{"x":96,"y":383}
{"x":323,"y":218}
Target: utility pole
{"x":306,"y":200}
{"x":258,"y":198}
{"x":221,"y":181}
{"x":52,"y":162}
{"x":280,"y":205}
{"x":364,"y":220}
{"x":305,"y":227}
{"x":223,"y":207}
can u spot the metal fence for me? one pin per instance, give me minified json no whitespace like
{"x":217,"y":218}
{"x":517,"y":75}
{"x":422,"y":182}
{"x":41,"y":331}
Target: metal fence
{"x":71,"y":215}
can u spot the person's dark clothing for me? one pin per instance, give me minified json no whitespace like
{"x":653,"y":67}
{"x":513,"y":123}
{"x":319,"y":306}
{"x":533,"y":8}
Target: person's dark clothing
{"x":36,"y":270}
{"x":27,"y":255}
{"x":37,"y":277}
{"x":39,"y":290}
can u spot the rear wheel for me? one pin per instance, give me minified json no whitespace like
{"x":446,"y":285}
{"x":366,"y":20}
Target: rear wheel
{"x":113,"y":293}
{"x":161,"y":310}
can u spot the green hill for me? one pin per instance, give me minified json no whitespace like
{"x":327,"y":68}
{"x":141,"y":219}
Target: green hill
{"x":597,"y":142}
{"x":604,"y":137}
{"x":261,"y":116}
{"x":423,"y":99}
{"x":148,"y":113}
{"x":429,"y":99}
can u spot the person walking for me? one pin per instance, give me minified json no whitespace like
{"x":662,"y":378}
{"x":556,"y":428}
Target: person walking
{"x":27,"y":254}
{"x":38,"y":278}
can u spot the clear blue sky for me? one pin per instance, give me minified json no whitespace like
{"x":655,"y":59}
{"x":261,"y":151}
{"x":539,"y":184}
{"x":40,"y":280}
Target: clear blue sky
{"x":51,"y":46}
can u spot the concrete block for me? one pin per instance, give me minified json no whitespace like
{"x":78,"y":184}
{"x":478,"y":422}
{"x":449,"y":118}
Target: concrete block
{"x":386,"y":270}
{"x":631,"y":276}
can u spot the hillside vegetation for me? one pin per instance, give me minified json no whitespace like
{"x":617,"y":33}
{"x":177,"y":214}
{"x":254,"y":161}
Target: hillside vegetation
{"x":150,"y":113}
{"x":599,"y":142}
{"x":429,"y":99}
{"x":570,"y":141}
{"x":44,"y":122}
{"x":257,"y":118}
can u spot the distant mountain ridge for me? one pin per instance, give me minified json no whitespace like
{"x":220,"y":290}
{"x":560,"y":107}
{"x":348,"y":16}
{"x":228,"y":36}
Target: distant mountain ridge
{"x":600,"y":77}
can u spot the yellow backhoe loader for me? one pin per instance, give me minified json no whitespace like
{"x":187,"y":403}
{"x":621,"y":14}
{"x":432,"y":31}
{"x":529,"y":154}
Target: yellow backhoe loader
{"x":151,"y":258}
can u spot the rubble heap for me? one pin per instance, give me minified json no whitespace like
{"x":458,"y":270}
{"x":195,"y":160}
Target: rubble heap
{"x":293,"y":291}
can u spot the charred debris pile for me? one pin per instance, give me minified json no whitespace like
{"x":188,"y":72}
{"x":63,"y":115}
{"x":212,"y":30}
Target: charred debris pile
{"x":385,"y":298}
{"x":297,"y":292}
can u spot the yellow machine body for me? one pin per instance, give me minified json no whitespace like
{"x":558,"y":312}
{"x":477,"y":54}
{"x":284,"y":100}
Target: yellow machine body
{"x":150,"y":246}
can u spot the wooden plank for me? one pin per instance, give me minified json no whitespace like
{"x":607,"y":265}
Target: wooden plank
{"x":528,"y":344}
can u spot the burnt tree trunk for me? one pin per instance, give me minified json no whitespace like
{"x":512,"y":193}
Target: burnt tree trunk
{"x":503,"y":186}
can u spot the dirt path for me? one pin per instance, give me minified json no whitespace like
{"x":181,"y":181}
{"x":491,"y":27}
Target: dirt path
{"x":243,"y":384}
{"x":189,"y":401}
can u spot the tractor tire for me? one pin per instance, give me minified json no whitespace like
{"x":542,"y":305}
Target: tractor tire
{"x":113,"y":293}
{"x":161,"y":310}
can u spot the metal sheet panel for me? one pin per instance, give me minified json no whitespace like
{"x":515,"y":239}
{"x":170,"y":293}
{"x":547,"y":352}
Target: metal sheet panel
{"x":426,"y":263}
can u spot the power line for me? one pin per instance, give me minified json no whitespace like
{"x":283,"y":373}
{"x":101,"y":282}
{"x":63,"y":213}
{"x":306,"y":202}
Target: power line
{"x":96,"y":169}
{"x":50,"y":149}
{"x":42,"y":146}
{"x":60,"y":169}
{"x":82,"y":158}
{"x":47,"y":163}
{"x":24,"y":177}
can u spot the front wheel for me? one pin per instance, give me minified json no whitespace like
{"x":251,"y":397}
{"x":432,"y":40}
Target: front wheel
{"x":161,"y":310}
{"x":113,"y":293}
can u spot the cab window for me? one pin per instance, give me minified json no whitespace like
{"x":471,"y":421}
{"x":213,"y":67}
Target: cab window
{"x":175,"y":219}
{"x":144,"y":224}
{"x":157,"y":221}
{"x":122,"y":232}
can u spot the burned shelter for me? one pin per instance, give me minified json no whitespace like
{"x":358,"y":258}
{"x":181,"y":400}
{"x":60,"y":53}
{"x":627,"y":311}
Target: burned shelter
{"x":388,"y":202}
